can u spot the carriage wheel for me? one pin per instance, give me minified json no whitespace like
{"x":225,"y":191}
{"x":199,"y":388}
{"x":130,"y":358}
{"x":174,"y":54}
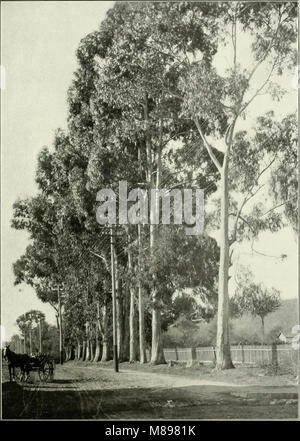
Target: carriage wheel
{"x":45,"y":372}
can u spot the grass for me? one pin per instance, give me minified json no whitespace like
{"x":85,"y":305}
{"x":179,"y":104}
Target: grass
{"x":264,"y":375}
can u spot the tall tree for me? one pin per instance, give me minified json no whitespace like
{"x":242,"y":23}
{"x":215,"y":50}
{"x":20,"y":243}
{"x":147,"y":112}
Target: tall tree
{"x":224,"y":99}
{"x":254,"y":298}
{"x":134,"y":80}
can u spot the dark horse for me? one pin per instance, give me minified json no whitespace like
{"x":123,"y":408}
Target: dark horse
{"x":17,"y":360}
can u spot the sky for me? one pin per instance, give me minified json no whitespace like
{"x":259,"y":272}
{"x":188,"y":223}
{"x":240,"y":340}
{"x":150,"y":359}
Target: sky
{"x":39,"y":40}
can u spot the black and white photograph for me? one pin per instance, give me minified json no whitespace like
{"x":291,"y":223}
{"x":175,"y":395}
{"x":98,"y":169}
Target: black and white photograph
{"x":149,"y":213}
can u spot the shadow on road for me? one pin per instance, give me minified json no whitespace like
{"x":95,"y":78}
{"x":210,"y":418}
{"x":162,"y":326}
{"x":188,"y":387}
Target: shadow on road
{"x":63,"y":399}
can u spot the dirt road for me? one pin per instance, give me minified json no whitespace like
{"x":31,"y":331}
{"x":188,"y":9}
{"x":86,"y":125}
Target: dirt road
{"x":96,"y":392}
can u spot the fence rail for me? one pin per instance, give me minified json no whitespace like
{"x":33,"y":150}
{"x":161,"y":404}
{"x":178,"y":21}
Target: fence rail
{"x":240,"y":354}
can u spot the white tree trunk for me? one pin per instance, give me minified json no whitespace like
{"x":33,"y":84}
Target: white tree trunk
{"x":83,"y":350}
{"x":119,"y":302}
{"x":223,"y":343}
{"x":79,"y":347}
{"x":105,"y":342}
{"x":157,"y":353}
{"x":132,"y":319}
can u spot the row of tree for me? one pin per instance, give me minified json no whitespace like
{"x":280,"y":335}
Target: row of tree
{"x":149,"y":105}
{"x":35,"y":335}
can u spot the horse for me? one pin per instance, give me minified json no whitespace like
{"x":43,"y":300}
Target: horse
{"x":17,"y":360}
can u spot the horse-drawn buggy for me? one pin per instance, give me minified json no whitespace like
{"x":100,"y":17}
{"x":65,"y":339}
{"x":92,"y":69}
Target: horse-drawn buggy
{"x":20,"y":366}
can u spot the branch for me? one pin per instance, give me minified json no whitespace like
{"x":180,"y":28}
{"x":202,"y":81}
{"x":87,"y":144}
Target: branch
{"x":100,"y":327}
{"x":53,"y":306}
{"x":227,"y":134}
{"x":103,"y":258}
{"x":233,"y":38}
{"x":253,"y":194}
{"x":279,"y":205}
{"x":266,"y":168}
{"x":261,"y":87}
{"x":208,"y":146}
{"x":238,"y":215}
{"x":246,"y":222}
{"x":230,"y":258}
{"x":282,"y":256}
{"x":173,"y":137}
{"x":264,"y":56}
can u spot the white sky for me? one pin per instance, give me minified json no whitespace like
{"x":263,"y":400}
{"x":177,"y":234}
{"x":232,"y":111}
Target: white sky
{"x":39,"y":40}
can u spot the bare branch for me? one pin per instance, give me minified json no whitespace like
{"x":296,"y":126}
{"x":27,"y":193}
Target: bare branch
{"x":101,"y":257}
{"x":266,"y":255}
{"x":279,"y":205}
{"x":53,"y":306}
{"x":260,"y":88}
{"x":208,"y":146}
{"x":249,"y":196}
{"x":266,"y":168}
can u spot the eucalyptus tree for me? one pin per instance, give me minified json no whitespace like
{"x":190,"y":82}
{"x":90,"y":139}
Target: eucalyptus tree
{"x":215,"y":102}
{"x":56,"y":232}
{"x":130,"y":100}
{"x":284,"y":179}
{"x":27,"y":323}
{"x":225,"y":98}
{"x":255,"y":299}
{"x":22,"y":324}
{"x":16,"y":344}
{"x":146,"y":92}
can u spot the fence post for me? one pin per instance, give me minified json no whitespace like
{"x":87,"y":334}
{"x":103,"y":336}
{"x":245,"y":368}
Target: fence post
{"x":274,"y":355}
{"x":215,"y":356}
{"x":243,"y":354}
{"x":176,"y":353}
{"x":193,"y":353}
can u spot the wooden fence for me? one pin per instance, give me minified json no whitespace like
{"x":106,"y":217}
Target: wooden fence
{"x":276,"y":354}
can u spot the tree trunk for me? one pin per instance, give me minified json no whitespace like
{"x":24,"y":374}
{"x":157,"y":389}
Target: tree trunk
{"x":79,"y":347}
{"x":262,"y":330}
{"x":87,"y":350}
{"x":97,"y":351}
{"x":143,"y":358}
{"x":105,"y":338}
{"x":157,"y":353}
{"x":97,"y":342}
{"x":87,"y":344}
{"x":223,"y":344}
{"x":132,"y":329}
{"x":132,"y":318}
{"x":92,"y":352}
{"x":30,"y":342}
{"x":119,"y":302}
{"x":83,"y":350}
{"x":105,"y":354}
{"x":125,"y":322}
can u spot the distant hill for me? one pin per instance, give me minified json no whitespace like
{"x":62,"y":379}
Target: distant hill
{"x":281,"y":320}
